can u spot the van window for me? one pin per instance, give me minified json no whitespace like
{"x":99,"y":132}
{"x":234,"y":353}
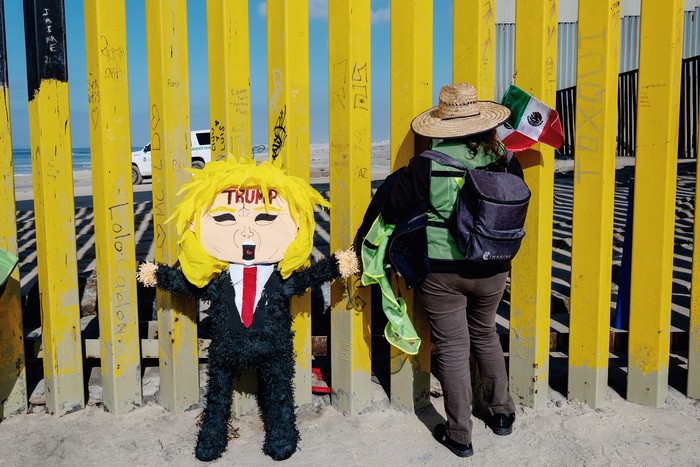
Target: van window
{"x":204,"y":139}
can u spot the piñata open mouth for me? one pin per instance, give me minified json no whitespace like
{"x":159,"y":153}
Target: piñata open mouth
{"x":248,"y":251}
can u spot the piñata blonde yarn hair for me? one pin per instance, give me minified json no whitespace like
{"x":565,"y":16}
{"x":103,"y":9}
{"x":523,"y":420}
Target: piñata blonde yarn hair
{"x":198,"y":266}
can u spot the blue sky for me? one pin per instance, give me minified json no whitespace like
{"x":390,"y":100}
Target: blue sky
{"x":198,"y":63}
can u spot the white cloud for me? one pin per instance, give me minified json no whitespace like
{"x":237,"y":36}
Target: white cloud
{"x":318,"y":9}
{"x":262,"y":8}
{"x":381,"y":15}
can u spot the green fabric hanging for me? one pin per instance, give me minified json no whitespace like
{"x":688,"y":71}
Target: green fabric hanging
{"x":7,"y":265}
{"x":399,"y":330}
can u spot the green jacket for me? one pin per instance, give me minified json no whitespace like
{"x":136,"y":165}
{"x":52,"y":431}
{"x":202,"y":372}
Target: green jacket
{"x":399,"y":330}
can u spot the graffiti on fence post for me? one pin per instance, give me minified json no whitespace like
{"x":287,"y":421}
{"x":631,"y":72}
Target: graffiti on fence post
{"x":279,"y":134}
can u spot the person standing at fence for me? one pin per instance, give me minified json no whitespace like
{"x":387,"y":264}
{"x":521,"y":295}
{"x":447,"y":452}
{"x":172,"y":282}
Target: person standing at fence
{"x":459,"y":297}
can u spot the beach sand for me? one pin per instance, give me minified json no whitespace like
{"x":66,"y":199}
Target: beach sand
{"x":559,"y":433}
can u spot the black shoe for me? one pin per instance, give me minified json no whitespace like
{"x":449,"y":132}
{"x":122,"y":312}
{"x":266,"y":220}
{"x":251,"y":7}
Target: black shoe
{"x":461,"y":450}
{"x":500,"y":423}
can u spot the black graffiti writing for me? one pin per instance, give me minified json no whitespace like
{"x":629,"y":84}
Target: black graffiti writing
{"x":360,"y":74}
{"x":93,"y":90}
{"x":155,"y":116}
{"x":123,"y":292}
{"x":359,"y":137}
{"x":216,"y":134}
{"x":158,"y":205}
{"x":95,"y":117}
{"x":360,"y":97}
{"x":117,"y":228}
{"x":340,"y":78}
{"x":279,"y":134}
{"x":113,"y":54}
{"x":161,"y":236}
{"x":114,"y":73}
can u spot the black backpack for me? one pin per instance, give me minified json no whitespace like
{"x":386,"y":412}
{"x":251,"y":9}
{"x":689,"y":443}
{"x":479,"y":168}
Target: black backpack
{"x":489,"y":214}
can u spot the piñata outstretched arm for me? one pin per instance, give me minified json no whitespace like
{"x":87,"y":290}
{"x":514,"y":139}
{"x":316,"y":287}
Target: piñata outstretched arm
{"x":166,"y":278}
{"x":340,"y":264}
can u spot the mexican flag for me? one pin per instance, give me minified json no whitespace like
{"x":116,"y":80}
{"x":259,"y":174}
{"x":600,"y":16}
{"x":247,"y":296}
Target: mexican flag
{"x":530,"y":122}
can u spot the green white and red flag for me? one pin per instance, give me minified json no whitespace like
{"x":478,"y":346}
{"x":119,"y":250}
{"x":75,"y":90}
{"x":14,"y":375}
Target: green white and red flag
{"x":530,"y":122}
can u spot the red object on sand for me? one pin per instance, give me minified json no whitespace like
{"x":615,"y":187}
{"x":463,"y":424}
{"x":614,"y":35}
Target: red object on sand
{"x":315,"y":388}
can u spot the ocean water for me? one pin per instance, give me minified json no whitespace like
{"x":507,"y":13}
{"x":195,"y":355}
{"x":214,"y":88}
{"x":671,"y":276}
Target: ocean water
{"x":22,"y":159}
{"x":81,"y":158}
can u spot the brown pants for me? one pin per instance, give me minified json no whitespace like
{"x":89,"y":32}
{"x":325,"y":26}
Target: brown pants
{"x":462,"y":314}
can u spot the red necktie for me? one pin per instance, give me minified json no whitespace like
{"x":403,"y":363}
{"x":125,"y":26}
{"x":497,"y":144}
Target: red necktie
{"x":249,"y":285}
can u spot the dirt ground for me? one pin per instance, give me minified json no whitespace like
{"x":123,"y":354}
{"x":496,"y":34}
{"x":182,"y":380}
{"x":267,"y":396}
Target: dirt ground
{"x":561,"y":433}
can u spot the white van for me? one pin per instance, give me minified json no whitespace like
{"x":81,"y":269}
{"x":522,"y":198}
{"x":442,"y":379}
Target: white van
{"x":201,"y":154}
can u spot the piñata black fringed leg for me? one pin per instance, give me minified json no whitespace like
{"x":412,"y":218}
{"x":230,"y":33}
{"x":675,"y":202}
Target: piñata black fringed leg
{"x":276,"y":400}
{"x":213,"y":436}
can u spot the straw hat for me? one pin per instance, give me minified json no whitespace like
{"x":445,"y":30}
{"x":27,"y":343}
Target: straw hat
{"x":459,"y":113}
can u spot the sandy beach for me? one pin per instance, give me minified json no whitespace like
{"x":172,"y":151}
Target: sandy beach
{"x":560,"y":433}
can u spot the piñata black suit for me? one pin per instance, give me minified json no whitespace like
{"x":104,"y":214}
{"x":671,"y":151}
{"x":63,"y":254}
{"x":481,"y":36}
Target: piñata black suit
{"x":267,"y":346}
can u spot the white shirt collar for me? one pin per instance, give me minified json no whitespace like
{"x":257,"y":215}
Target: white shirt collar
{"x":236,"y":272}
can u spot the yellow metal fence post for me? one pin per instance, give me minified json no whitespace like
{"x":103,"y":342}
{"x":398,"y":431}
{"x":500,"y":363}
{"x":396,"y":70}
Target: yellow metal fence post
{"x":52,"y":179}
{"x":654,"y":201}
{"x":229,"y":115}
{"x":350,"y":164}
{"x":13,"y":372}
{"x":474,"y":32}
{"x":288,"y":117}
{"x":535,"y":62}
{"x":473,"y":61}
{"x":229,"y":77}
{"x":411,"y":93}
{"x":108,"y":101}
{"x":168,"y":89}
{"x":594,"y":195}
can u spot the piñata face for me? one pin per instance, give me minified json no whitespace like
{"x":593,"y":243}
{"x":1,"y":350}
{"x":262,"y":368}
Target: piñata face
{"x":239,"y":228}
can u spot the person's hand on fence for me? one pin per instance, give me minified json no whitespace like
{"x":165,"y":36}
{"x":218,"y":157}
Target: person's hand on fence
{"x":147,"y":274}
{"x":348,"y":263}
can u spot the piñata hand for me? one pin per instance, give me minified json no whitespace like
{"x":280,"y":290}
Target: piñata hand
{"x":147,"y":274}
{"x":348,"y":263}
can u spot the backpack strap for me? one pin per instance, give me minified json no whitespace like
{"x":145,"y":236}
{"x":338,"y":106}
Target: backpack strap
{"x":442,"y":158}
{"x":513,"y":165}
